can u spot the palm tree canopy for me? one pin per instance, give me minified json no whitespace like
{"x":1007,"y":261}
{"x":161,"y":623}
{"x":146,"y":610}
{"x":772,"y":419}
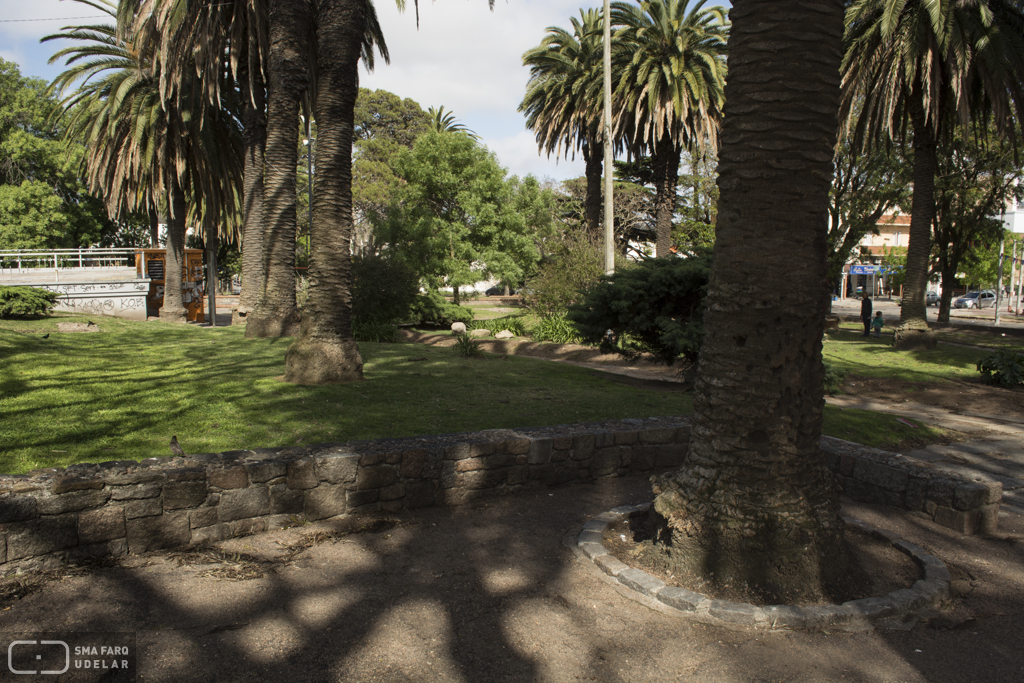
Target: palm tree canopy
{"x":440,"y":121}
{"x":957,"y":59}
{"x":564,"y":94}
{"x":673,"y":67}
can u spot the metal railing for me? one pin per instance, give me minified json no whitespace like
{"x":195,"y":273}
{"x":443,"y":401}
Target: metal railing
{"x":27,"y":260}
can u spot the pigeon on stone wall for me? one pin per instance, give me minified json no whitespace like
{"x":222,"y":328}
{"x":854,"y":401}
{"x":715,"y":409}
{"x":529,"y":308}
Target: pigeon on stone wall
{"x":175,"y":448}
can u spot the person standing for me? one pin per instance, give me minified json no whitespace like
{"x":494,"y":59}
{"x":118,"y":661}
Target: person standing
{"x":865,"y":314}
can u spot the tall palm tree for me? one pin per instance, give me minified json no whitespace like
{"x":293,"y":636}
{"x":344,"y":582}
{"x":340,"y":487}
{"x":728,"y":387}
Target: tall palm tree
{"x":441,"y":121}
{"x":563,"y":100}
{"x":196,"y":36}
{"x":935,"y":65}
{"x":144,"y":152}
{"x":671,"y":86}
{"x":753,"y":503}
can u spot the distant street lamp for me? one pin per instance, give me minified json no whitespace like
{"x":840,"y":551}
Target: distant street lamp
{"x":609,"y":218}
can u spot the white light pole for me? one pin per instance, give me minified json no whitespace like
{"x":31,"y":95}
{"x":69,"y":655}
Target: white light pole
{"x":609,"y":218}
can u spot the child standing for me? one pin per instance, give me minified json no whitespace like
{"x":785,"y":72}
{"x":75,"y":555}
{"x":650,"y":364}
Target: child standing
{"x":876,"y":324}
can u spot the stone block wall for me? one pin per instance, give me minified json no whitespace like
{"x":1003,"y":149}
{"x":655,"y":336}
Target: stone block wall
{"x":876,"y":476}
{"x":53,"y":516}
{"x":49,"y":517}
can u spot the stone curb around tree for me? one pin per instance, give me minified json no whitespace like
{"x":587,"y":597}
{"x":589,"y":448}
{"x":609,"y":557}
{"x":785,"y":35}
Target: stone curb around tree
{"x":896,"y":609}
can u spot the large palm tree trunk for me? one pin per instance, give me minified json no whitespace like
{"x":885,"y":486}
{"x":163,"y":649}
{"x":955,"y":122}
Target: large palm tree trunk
{"x":276,"y":314}
{"x":254,"y":139}
{"x":754,"y":504}
{"x":324,"y":351}
{"x":665,"y":165}
{"x":173,"y":307}
{"x":913,"y":331}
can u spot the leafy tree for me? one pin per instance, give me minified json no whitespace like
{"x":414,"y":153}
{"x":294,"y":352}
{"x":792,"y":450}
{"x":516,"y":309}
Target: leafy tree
{"x":573,"y":264}
{"x":440,"y":121}
{"x":972,"y":184}
{"x":936,"y":65}
{"x":866,"y":185}
{"x":456,"y":218}
{"x":699,"y":211}
{"x":44,"y":203}
{"x":633,"y":213}
{"x":671,"y":85}
{"x":895,"y":261}
{"x":754,"y":504}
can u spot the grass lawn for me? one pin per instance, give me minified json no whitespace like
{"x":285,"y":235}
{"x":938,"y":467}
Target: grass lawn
{"x":121,"y":393}
{"x":855,"y":354}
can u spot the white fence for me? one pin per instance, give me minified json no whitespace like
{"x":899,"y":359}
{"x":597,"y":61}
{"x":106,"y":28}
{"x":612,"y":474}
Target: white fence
{"x":29,"y":261}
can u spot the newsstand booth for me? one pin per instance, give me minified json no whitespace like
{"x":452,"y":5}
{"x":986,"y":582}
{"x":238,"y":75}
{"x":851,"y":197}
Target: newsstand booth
{"x":149,"y":263}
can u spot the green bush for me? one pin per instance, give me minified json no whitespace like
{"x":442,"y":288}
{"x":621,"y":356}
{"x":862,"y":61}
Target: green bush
{"x":512,"y":323}
{"x":556,"y":328}
{"x":576,"y":265}
{"x":26,"y":301}
{"x":1005,"y":368}
{"x":383,"y":290}
{"x":374,"y":331}
{"x":434,"y":308}
{"x":833,"y":379}
{"x":655,"y":306}
{"x":465,"y":346}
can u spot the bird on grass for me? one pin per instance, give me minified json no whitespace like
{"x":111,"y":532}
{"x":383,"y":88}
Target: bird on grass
{"x":46,"y":336}
{"x":175,"y":448}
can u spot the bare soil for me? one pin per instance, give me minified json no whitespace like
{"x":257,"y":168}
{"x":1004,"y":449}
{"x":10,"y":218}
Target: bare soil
{"x":878,"y":568}
{"x":958,"y":396}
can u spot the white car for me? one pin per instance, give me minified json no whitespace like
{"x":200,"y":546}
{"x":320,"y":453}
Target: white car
{"x":983,"y":299}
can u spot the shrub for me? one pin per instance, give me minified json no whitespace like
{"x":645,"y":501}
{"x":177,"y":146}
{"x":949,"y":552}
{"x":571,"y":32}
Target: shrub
{"x":383,"y":289}
{"x":26,"y":301}
{"x":556,"y":328}
{"x":1005,"y":368}
{"x":512,"y":323}
{"x":833,"y":379}
{"x":434,"y":308}
{"x":465,"y":346}
{"x":564,"y":276}
{"x":374,"y":331}
{"x":655,"y":306}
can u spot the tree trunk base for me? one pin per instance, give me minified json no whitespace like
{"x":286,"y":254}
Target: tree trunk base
{"x":752,"y":548}
{"x":272,"y":325}
{"x":909,"y":337}
{"x":174,"y":316}
{"x":318,"y":362}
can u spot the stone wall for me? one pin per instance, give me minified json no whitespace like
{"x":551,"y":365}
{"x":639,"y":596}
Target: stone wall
{"x":53,"y":516}
{"x":876,"y":476}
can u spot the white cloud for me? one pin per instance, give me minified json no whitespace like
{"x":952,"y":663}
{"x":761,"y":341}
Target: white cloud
{"x":518,"y":153}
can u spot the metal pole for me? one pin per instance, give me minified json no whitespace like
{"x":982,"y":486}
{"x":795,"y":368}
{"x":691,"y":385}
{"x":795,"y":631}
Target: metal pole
{"x":999,"y":284}
{"x":609,"y":207}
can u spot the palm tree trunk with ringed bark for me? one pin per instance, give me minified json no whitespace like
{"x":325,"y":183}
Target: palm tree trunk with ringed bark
{"x":754,"y":504}
{"x":324,"y":351}
{"x":254,"y":138}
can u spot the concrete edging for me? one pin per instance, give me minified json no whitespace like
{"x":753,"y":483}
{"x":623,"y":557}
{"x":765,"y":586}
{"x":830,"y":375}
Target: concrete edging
{"x":861,"y":615}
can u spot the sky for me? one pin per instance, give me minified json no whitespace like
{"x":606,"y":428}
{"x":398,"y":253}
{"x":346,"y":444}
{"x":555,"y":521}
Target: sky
{"x":463,"y":57}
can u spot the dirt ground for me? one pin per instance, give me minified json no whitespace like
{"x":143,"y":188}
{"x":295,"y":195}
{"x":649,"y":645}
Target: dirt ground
{"x":491,"y":592}
{"x":955,"y":396}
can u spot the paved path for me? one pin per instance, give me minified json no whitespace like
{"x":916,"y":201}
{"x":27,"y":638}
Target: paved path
{"x":996,"y":455}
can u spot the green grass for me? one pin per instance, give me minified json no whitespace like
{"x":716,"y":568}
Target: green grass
{"x":121,"y":393}
{"x":880,"y":430}
{"x":855,"y":354}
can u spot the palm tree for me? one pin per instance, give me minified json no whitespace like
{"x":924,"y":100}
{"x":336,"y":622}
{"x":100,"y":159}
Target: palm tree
{"x":754,"y":504}
{"x":671,"y":88}
{"x":441,"y":121}
{"x":935,"y":64}
{"x":563,"y":100}
{"x":196,"y":36}
{"x":143,"y":152}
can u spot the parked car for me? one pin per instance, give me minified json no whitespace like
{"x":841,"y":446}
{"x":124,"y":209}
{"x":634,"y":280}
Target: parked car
{"x":983,"y":299}
{"x":499,"y":291}
{"x":931,"y":299}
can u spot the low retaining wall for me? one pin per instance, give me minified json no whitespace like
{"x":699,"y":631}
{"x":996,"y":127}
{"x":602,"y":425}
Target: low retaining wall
{"x":54,"y":516}
{"x":876,"y":476}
